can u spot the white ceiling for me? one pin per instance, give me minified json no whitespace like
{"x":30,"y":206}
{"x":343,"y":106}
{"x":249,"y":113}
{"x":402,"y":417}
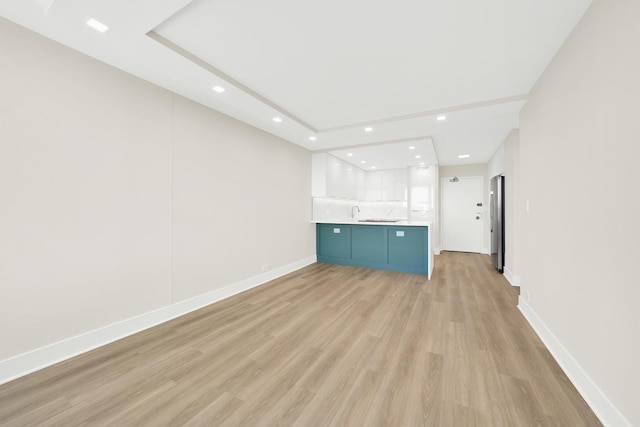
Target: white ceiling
{"x":331,"y":68}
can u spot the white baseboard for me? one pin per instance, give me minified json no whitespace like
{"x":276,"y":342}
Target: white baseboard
{"x":608,"y":414}
{"x":42,"y":357}
{"x":514,"y":280}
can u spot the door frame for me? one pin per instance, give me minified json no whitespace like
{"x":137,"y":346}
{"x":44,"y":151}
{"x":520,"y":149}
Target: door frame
{"x":482,"y":209}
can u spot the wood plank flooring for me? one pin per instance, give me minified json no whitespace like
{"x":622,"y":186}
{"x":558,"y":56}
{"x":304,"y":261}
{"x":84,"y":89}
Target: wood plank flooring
{"x":325,"y":346}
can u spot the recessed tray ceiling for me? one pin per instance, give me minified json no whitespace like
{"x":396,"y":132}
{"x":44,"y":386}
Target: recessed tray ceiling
{"x":330,"y":69}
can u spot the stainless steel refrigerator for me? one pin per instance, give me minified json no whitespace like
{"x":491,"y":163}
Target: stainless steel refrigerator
{"x":496,"y":211}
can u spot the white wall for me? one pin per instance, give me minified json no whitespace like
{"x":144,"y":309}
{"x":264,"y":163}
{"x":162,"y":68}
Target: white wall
{"x":505,"y":161}
{"x":579,"y":142}
{"x":513,"y":207}
{"x":241,"y":201}
{"x":496,"y":164}
{"x":479,"y":169}
{"x":119,"y":197}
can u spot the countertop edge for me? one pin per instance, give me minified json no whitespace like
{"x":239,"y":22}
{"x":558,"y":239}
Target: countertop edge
{"x":391,"y":224}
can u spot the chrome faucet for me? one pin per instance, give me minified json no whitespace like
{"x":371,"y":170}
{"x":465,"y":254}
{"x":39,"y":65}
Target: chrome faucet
{"x":353,"y":214}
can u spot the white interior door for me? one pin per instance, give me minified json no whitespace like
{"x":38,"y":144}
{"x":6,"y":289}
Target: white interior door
{"x":461,"y":215}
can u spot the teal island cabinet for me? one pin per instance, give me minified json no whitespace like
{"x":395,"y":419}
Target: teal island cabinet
{"x":386,"y":247}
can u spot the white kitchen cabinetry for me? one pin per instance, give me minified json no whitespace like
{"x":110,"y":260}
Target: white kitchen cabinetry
{"x":387,"y":185}
{"x":423,"y":192}
{"x":332,"y":177}
{"x":361,"y":184}
{"x":401,"y":184}
{"x":336,"y":178}
{"x":374,"y":185}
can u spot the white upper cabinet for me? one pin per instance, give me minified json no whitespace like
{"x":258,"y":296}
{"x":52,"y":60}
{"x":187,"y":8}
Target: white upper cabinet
{"x":318,"y":175}
{"x":401,"y":184}
{"x":387,"y":185}
{"x":374,"y":185}
{"x":423,"y":192}
{"x":332,"y":177}
{"x":336,"y":177}
{"x":361,"y":184}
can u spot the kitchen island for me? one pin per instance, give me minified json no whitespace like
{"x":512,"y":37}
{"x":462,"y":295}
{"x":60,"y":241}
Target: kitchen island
{"x":381,"y":244}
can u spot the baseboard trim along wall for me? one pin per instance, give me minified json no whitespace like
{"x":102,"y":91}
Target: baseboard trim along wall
{"x":26,"y":363}
{"x":595,"y":398}
{"x":514,"y":280}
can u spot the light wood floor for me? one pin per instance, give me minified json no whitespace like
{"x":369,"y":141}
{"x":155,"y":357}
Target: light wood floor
{"x":326,"y":345}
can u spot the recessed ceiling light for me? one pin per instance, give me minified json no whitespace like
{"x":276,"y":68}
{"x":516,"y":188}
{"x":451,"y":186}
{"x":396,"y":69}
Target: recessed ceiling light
{"x":97,"y":25}
{"x":312,"y":138}
{"x":218,"y":89}
{"x":363,"y":161}
{"x":373,"y":167}
{"x":413,"y":147}
{"x":368,"y":129}
{"x":277,"y":119}
{"x":349,"y":154}
{"x":421,"y":163}
{"x":418,"y":156}
{"x":441,"y":118}
{"x":464,"y":156}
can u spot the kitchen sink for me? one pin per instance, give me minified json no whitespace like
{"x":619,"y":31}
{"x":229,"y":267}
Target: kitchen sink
{"x":378,"y":220}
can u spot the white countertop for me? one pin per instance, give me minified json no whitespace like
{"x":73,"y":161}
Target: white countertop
{"x":356,"y":222}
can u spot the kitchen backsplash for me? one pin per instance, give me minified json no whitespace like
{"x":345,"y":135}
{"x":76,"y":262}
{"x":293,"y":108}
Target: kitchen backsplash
{"x":331,"y":209}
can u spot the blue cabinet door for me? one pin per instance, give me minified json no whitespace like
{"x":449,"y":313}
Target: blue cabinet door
{"x":368,"y":244}
{"x":334,"y":241}
{"x":407,"y":247}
